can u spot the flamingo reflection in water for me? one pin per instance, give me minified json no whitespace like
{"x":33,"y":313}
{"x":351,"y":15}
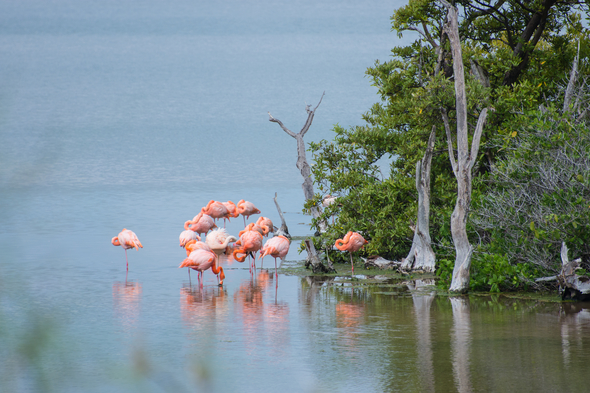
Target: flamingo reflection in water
{"x":199,"y":306}
{"x":349,"y":316}
{"x":126,"y":301}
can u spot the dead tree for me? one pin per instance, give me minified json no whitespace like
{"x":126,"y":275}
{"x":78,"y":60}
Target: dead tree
{"x":307,"y":185}
{"x":421,"y":255}
{"x":466,"y":158}
{"x":302,"y":163}
{"x":283,"y":230}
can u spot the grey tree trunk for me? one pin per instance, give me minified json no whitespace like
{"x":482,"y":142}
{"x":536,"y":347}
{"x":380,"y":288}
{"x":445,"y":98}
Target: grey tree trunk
{"x":571,"y":285}
{"x":302,"y":163}
{"x":421,"y":255}
{"x":466,"y":157}
{"x":307,"y":185}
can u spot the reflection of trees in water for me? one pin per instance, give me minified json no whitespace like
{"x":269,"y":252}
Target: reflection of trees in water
{"x":126,"y":302}
{"x":461,"y":343}
{"x":575,"y":325}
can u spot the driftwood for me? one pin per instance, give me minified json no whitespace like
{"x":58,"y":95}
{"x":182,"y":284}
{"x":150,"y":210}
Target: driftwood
{"x":381,"y":263}
{"x":421,"y":255}
{"x":466,"y":157}
{"x":314,"y":261}
{"x":571,"y":285}
{"x":283,"y":230}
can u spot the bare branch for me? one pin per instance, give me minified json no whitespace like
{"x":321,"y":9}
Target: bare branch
{"x":288,"y":131}
{"x":310,"y":114}
{"x":477,"y":137}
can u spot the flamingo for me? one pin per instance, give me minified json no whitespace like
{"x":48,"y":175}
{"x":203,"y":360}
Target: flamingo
{"x":215,"y":209}
{"x":252,"y":227}
{"x":247,"y":209}
{"x":352,"y":242}
{"x":201,"y":260}
{"x":127,"y":239}
{"x":201,"y":223}
{"x":250,"y":241}
{"x":276,"y":247}
{"x":186,"y":236}
{"x":266,"y":225}
{"x":196,"y":245}
{"x":232,"y":211}
{"x":327,"y":202}
{"x":218,"y":240}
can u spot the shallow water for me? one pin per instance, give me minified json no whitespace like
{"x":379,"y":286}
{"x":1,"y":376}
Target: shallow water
{"x":136,"y":114}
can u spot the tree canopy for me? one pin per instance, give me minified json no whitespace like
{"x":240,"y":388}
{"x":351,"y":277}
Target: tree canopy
{"x":518,"y":56}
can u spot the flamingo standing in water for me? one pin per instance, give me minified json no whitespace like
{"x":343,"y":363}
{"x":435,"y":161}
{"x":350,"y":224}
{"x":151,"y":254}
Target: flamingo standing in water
{"x":218,"y":240}
{"x":266,"y":224}
{"x":276,"y":247}
{"x":216,"y":210}
{"x":352,"y":242}
{"x":200,"y":224}
{"x":201,"y":260}
{"x":252,"y":227}
{"x":186,"y":236}
{"x":127,"y":239}
{"x":247,"y":209}
{"x":250,"y":242}
{"x":232,"y":211}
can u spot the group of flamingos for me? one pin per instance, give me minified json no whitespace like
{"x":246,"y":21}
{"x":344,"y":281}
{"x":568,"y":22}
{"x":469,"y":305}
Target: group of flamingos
{"x":204,"y":255}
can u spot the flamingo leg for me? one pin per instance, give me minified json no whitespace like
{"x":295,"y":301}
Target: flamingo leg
{"x":351,"y":263}
{"x":126,"y":260}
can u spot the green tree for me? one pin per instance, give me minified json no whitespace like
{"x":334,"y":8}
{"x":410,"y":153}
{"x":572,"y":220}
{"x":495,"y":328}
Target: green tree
{"x":516,"y":54}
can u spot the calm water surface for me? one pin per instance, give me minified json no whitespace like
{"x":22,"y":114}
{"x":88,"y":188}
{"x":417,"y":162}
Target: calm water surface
{"x":135,"y":114}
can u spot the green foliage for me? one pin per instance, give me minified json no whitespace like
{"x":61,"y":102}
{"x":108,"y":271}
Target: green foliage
{"x":371,"y":168}
{"x":492,"y":272}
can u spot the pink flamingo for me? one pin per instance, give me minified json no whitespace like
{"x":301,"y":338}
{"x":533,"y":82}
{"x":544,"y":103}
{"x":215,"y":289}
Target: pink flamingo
{"x":201,"y":224}
{"x":201,"y":260}
{"x":127,"y":239}
{"x":250,"y":242}
{"x":215,"y":209}
{"x":266,"y":224}
{"x":186,"y":236}
{"x":276,"y":247}
{"x":218,"y":240}
{"x":196,"y":245}
{"x":252,"y":227}
{"x":352,"y":242}
{"x":232,"y":211}
{"x":247,"y":209}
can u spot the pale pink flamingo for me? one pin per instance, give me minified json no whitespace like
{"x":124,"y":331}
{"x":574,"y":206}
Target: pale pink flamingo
{"x":266,"y":224}
{"x":252,"y":227}
{"x":247,"y":209}
{"x":186,"y":236}
{"x":200,"y":224}
{"x":215,"y":209}
{"x":352,"y":242}
{"x":250,"y":242}
{"x":201,"y":260}
{"x":196,"y":245}
{"x":276,"y":247}
{"x":218,"y":240}
{"x":127,"y":239}
{"x":232,"y":211}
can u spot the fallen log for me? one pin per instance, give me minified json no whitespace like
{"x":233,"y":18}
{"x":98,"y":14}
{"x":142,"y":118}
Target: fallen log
{"x":381,"y":263}
{"x":571,"y":285}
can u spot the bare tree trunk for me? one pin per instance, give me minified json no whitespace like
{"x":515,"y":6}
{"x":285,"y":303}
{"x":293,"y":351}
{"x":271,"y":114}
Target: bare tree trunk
{"x":465,"y":158}
{"x":307,"y":185}
{"x":283,"y":230}
{"x":421,"y":255}
{"x":302,"y":164}
{"x":572,"y":286}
